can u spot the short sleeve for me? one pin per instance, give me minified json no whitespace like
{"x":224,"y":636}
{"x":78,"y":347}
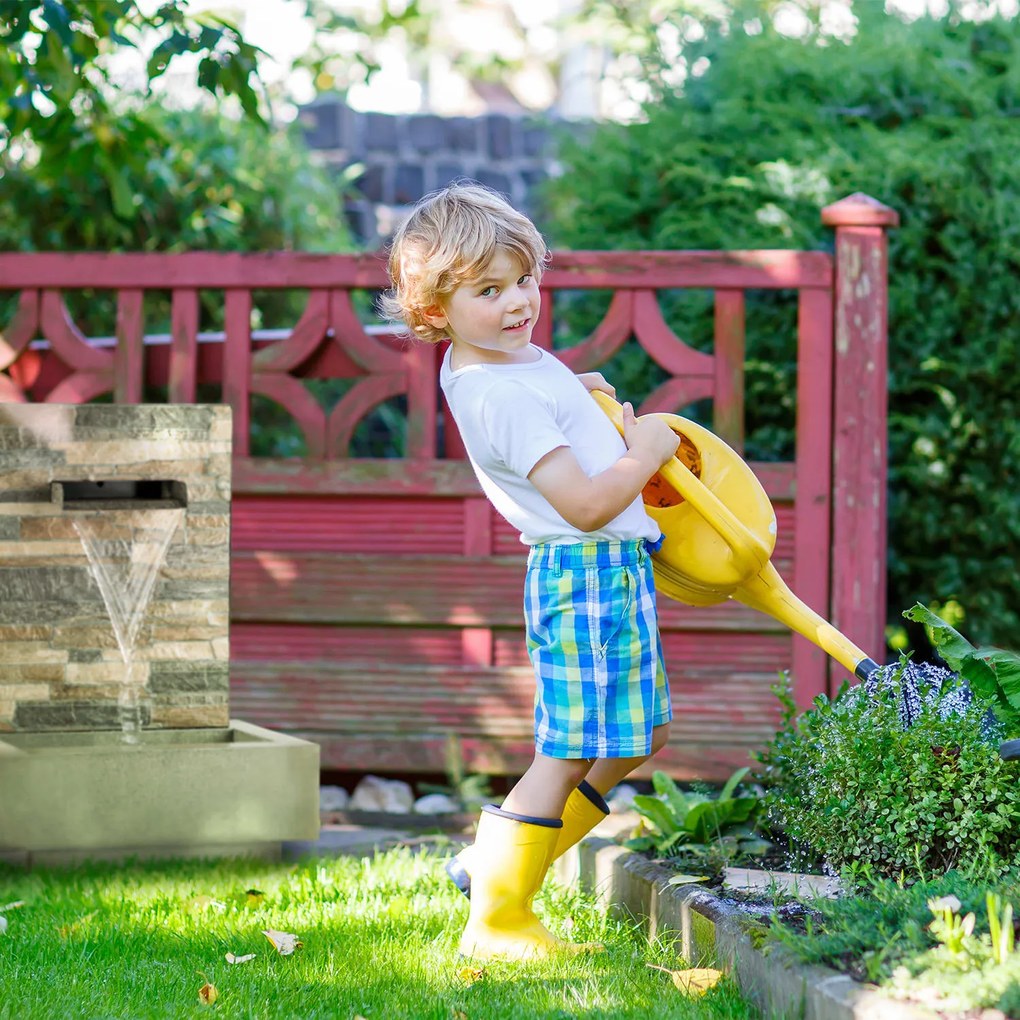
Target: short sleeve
{"x":521,"y":427}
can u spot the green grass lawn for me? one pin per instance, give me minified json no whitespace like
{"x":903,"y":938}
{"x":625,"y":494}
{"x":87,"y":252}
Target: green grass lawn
{"x":379,"y":940}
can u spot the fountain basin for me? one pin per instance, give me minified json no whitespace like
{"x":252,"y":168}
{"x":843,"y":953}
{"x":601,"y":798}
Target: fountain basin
{"x":239,"y":789}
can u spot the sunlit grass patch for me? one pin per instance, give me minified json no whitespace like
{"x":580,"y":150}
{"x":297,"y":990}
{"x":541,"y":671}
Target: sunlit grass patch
{"x":379,"y":939}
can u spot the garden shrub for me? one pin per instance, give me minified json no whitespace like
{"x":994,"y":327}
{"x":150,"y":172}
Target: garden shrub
{"x":849,"y":783}
{"x":922,"y":116}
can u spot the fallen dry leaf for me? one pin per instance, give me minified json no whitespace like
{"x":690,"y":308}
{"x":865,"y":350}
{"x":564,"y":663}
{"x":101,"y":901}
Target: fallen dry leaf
{"x":459,"y":1014}
{"x":67,"y":930}
{"x":208,"y":994}
{"x":469,"y":975}
{"x":12,"y":906}
{"x":240,"y":959}
{"x":283,"y":942}
{"x":695,"y":981}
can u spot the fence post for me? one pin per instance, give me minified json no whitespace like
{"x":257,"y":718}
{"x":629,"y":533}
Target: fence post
{"x":860,"y":441}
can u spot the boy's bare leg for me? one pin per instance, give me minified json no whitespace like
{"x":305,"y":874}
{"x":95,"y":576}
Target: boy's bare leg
{"x":543,"y":790}
{"x":607,"y":772}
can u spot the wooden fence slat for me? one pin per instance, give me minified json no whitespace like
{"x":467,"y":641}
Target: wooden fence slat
{"x":422,"y":403}
{"x":183,"y":367}
{"x":305,"y":270}
{"x":607,"y":337}
{"x":129,"y":355}
{"x":237,"y":366}
{"x":814,"y":475}
{"x":308,"y":333}
{"x":489,"y":709}
{"x":453,"y":591}
{"x":292,"y":395}
{"x":22,"y":327}
{"x":728,"y":407}
{"x":67,"y":341}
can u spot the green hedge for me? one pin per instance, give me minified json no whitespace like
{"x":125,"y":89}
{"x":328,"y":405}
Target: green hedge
{"x":924,"y":116}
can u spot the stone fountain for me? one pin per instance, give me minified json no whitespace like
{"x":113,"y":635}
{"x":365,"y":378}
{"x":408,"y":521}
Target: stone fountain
{"x":115,"y":735}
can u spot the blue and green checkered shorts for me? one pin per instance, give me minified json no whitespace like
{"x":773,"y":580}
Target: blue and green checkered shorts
{"x":593,"y":638}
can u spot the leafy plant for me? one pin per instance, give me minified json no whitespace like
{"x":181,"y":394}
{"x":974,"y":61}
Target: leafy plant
{"x":992,"y":673}
{"x":55,"y":84}
{"x":848,"y":782}
{"x":953,"y":932}
{"x":694,"y":822}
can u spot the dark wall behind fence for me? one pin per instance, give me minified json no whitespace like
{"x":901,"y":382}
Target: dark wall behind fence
{"x":402,"y":157}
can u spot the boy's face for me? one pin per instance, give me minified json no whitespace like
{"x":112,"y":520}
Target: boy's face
{"x":491,"y":319}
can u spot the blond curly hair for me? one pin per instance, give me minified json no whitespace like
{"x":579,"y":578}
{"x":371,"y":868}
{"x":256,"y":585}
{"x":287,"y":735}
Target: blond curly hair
{"x":450,"y":238}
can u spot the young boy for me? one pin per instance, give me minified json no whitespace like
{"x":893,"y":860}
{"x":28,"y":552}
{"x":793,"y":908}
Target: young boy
{"x":465,"y":266}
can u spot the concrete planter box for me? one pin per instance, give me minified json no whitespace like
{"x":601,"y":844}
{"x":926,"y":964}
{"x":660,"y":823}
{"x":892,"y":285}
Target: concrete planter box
{"x":713,"y":933}
{"x":188,"y":792}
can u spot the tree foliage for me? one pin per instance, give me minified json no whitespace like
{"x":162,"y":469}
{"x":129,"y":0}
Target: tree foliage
{"x":924,"y":116}
{"x":55,"y":89}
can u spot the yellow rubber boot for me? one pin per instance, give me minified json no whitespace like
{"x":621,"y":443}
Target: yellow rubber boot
{"x":584,"y":809}
{"x":513,"y":855}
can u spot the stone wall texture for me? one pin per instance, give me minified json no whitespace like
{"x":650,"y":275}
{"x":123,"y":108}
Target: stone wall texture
{"x":402,"y":158}
{"x":60,"y":664}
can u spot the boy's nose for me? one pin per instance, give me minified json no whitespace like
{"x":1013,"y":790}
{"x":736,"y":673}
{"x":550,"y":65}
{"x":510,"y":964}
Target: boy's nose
{"x":516,"y":298}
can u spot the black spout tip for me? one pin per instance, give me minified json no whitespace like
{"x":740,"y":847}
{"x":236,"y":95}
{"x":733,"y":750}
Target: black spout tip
{"x":865,"y":668}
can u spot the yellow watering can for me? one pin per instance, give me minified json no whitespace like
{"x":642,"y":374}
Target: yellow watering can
{"x":720,"y":532}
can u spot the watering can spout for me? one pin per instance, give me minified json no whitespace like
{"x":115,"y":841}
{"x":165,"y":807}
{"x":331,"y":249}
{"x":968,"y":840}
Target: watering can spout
{"x":768,"y":593}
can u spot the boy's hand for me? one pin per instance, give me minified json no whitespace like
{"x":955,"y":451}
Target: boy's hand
{"x":652,"y":435}
{"x":597,"y":381}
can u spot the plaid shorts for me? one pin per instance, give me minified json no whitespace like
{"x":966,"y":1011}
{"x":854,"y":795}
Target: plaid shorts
{"x":593,"y":639}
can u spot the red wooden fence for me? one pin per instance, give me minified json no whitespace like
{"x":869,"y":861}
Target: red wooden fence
{"x":376,"y":602}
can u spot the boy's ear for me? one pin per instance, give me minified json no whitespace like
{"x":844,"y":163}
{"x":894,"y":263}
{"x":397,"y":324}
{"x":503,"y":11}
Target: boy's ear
{"x":435,"y":316}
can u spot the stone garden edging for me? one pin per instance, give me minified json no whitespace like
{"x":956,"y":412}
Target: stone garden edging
{"x":712,"y":933}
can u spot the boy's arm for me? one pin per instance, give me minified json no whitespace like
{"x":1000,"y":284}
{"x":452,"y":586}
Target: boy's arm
{"x":591,"y":503}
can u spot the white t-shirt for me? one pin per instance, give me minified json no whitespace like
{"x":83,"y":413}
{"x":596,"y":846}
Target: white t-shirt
{"x":510,"y":417}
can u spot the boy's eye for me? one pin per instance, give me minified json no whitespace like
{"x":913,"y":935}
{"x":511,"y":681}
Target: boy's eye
{"x":487,"y":292}
{"x":526,"y":278}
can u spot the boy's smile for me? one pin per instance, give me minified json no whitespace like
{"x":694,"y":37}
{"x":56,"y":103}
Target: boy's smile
{"x":491,"y":319}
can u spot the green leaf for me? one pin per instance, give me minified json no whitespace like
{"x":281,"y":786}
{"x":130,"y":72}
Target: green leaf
{"x":732,"y":783}
{"x":949,"y":643}
{"x":657,"y":813}
{"x":679,"y":802}
{"x":120,"y":190}
{"x":703,"y":821}
{"x":1005,"y":666}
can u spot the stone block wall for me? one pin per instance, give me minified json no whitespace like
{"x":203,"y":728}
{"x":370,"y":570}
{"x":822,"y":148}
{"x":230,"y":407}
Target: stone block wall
{"x":60,"y":664}
{"x":404,"y":157}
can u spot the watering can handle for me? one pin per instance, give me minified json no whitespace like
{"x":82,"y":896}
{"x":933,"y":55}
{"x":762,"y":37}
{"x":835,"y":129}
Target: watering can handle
{"x":750,"y":554}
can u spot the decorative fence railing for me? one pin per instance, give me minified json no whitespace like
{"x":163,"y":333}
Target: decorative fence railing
{"x":375,"y":601}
